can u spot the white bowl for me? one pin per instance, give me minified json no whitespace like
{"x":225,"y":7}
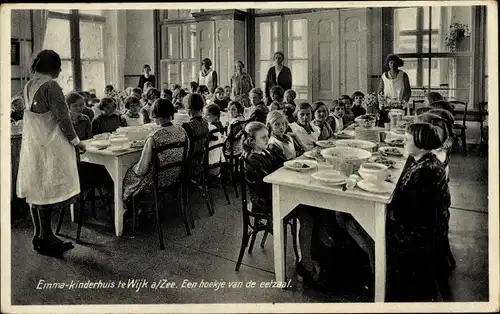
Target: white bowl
{"x":346,"y":159}
{"x":373,"y":172}
{"x":100,"y":143}
{"x":102,"y":136}
{"x":361,"y":144}
{"x":330,"y":177}
{"x":300,"y":165}
{"x":119,"y":140}
{"x":325,"y":143}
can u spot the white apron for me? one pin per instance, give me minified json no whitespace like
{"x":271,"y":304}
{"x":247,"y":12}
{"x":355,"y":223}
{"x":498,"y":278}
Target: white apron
{"x":48,"y":171}
{"x":394,"y":88}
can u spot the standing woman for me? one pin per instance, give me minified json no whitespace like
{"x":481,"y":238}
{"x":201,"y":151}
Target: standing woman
{"x":241,"y":84}
{"x":146,"y":77}
{"x":207,"y":76}
{"x":278,"y":74}
{"x":48,"y":174}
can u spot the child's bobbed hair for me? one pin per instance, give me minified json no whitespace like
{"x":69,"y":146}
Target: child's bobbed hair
{"x":213,"y":109}
{"x":162,"y":108}
{"x":278,"y":91}
{"x":152,"y":92}
{"x":257,"y":91}
{"x":195,"y":102}
{"x":46,"y":62}
{"x":131,"y":100}
{"x":302,"y":106}
{"x":249,"y":135}
{"x":357,"y":94}
{"x":316,"y":105}
{"x":106,"y":101}
{"x":72,"y":98}
{"x":426,"y":136}
{"x":292,"y":93}
{"x":273,"y":116}
{"x":238,"y":106}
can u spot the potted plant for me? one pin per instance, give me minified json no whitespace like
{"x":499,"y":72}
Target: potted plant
{"x":456,"y":32}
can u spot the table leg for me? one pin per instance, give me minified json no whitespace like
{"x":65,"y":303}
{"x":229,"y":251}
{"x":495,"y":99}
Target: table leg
{"x":278,"y":234}
{"x":380,"y":254}
{"x":115,"y":170}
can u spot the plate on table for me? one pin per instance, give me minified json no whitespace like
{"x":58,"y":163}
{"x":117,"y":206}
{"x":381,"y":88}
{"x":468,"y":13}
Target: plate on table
{"x":137,"y":144}
{"x":395,"y":142}
{"x":391,"y":151}
{"x":100,"y":143}
{"x":344,"y":135}
{"x":330,"y":177}
{"x":314,"y":153}
{"x":325,"y":143}
{"x":378,"y":187}
{"x":382,"y":160}
{"x":118,"y":149}
{"x":300,"y":165}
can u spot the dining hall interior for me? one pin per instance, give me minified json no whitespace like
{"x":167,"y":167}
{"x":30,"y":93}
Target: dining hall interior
{"x":367,"y":77}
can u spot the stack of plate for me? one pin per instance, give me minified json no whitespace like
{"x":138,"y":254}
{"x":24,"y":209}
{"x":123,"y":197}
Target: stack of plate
{"x":367,"y":134}
{"x":330,"y":177}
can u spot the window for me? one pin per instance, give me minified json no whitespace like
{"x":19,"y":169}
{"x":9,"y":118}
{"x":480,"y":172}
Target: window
{"x":289,"y":35}
{"x":419,"y":39}
{"x":78,"y":37}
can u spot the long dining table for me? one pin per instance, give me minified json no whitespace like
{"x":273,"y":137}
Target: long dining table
{"x":291,"y":188}
{"x":117,"y":165}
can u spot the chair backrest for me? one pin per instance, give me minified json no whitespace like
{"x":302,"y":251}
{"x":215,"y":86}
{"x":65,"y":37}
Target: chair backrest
{"x":158,"y":167}
{"x":209,"y":148}
{"x":196,"y":157}
{"x":243,"y":186}
{"x":423,"y":110}
{"x":417,"y":104}
{"x":459,"y":110}
{"x":483,"y":111}
{"x":237,"y":129}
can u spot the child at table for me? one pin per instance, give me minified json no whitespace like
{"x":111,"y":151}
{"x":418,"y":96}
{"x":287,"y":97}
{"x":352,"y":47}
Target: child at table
{"x":178,"y":96}
{"x":166,"y":94}
{"x":320,"y":112}
{"x":336,"y":118}
{"x":290,"y":105}
{"x":81,"y":122}
{"x":219,"y":99}
{"x":211,"y":113}
{"x":287,"y":144}
{"x":86,"y":110}
{"x":260,"y":162}
{"x":133,"y":116}
{"x":140,"y":176}
{"x":197,"y":127}
{"x":357,"y":100}
{"x":151,"y":96}
{"x":227,"y":92}
{"x":347,"y":104}
{"x":303,"y":129}
{"x":234,"y":128}
{"x":258,"y":111}
{"x":277,"y":94}
{"x":194,"y":86}
{"x":108,"y":120}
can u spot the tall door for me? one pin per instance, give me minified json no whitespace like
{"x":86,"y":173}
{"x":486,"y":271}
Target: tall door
{"x":206,"y":41}
{"x":354,"y":51}
{"x":224,"y":53}
{"x":325,"y":51}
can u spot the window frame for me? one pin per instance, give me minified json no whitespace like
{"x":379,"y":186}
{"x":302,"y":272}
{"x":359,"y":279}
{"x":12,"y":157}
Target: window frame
{"x":74,"y":18}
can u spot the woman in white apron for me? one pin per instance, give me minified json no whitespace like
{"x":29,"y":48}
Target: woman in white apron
{"x":48,"y":175}
{"x":207,"y":76}
{"x":394,"y":84}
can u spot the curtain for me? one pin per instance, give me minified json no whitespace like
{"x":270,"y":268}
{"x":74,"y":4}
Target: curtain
{"x":115,"y":47}
{"x":40,"y":18}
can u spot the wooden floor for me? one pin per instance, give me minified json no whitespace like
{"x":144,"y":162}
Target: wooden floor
{"x":210,"y":253}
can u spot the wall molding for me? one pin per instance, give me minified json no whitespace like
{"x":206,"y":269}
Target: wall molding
{"x":133,"y":75}
{"x":204,"y":16}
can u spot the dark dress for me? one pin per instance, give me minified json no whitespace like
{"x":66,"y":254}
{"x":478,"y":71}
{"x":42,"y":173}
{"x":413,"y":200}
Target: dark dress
{"x":259,"y":113}
{"x":417,"y":231}
{"x":143,"y":80}
{"x":221,"y":103}
{"x":107,"y":124}
{"x":358,"y":111}
{"x":284,"y":80}
{"x":197,"y":126}
{"x":258,"y":166}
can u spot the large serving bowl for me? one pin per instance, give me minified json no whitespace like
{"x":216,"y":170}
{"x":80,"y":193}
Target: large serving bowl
{"x":346,"y":159}
{"x":361,"y":144}
{"x":135,"y":133}
{"x":374,"y":172}
{"x":366,"y":121}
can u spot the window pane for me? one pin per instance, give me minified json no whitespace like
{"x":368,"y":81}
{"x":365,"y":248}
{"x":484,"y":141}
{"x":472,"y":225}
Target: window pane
{"x":297,"y":49}
{"x":405,"y":44}
{"x":65,"y":79}
{"x":411,"y":68}
{"x":91,"y":12}
{"x":405,"y":19}
{"x":297,"y":28}
{"x":189,"y":41}
{"x":91,"y":40}
{"x":93,"y":76}
{"x":275,"y":29}
{"x":434,"y":43}
{"x":265,"y":40}
{"x":450,"y":75}
{"x":299,"y":71}
{"x":436,"y":17}
{"x":263,"y":67}
{"x":186,"y":74}
{"x":173,"y":42}
{"x":57,"y":37}
{"x":297,"y":39}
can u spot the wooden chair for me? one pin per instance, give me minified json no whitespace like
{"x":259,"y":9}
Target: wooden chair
{"x":233,"y":158}
{"x":178,"y":186}
{"x":416,"y":105}
{"x":483,"y":121}
{"x":220,"y":167}
{"x":88,"y":188}
{"x":254,"y":223}
{"x":460,"y":114}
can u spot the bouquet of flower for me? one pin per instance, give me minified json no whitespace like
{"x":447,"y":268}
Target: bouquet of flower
{"x":370,"y":103}
{"x":387,"y":104}
{"x":456,"y":32}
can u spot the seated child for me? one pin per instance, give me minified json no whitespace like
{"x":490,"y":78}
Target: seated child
{"x":260,"y":162}
{"x":320,"y":112}
{"x":81,"y":122}
{"x":349,"y":115}
{"x":219,"y":99}
{"x":277,"y":94}
{"x":357,"y":108}
{"x":133,"y":116}
{"x":431,"y":97}
{"x":109,"y":91}
{"x":211,"y":113}
{"x":95,"y":105}
{"x":147,"y":86}
{"x":234,"y":128}
{"x":151,"y":96}
{"x":337,"y":119}
{"x":166,"y":94}
{"x":287,"y":144}
{"x":17,"y":109}
{"x":86,"y":110}
{"x":137,"y":93}
{"x":258,"y":111}
{"x":303,"y":129}
{"x":227,"y":93}
{"x":194,"y":86}
{"x":203,"y":90}
{"x":108,"y":120}
{"x":290,"y":105}
{"x":195,"y":128}
{"x":178,"y":96}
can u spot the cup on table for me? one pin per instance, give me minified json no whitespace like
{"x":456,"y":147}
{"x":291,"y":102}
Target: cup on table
{"x":383,"y":135}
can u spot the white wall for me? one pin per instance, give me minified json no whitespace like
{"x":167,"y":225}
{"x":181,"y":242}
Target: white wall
{"x":140,"y":44}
